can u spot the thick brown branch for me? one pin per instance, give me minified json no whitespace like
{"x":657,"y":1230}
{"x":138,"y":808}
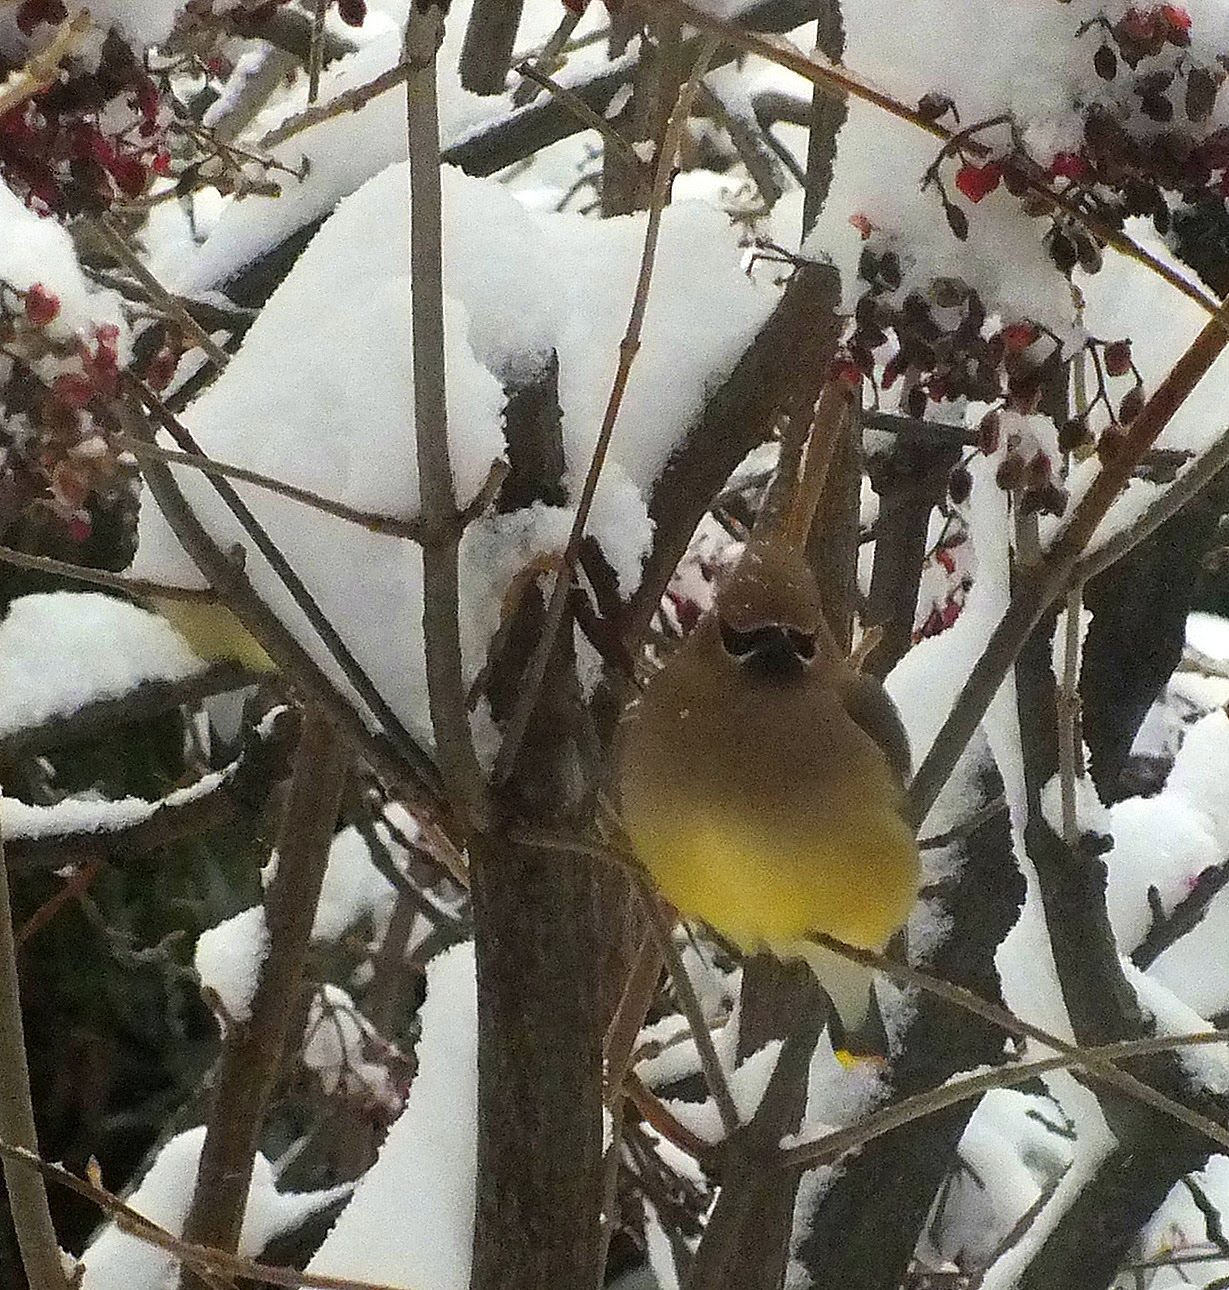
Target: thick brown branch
{"x":252,"y":1049}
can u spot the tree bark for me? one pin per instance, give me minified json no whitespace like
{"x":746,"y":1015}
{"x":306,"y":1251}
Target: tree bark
{"x":253,"y":1050}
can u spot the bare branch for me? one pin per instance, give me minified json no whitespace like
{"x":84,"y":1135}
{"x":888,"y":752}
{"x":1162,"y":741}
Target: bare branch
{"x":446,"y":694}
{"x":40,"y":1251}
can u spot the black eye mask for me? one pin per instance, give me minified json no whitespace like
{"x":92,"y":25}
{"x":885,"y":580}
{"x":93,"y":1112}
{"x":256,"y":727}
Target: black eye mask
{"x":768,"y":642}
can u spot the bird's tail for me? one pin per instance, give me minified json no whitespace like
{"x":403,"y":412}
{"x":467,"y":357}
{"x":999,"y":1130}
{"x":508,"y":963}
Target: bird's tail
{"x":850,"y":986}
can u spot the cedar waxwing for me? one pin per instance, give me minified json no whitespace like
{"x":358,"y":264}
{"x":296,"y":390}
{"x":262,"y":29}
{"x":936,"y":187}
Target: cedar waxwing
{"x":762,"y":776}
{"x":213,"y":632}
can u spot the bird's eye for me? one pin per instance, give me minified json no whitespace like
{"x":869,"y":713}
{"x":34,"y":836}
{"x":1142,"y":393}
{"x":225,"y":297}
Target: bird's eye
{"x":739,"y":644}
{"x":803,"y":643}
{"x":771,"y":640}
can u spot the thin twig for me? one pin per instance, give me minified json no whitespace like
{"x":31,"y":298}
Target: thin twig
{"x":27,"y":1195}
{"x":1097,"y":1068}
{"x":527,"y":90}
{"x":710,"y":1062}
{"x":374,"y":522}
{"x":1069,"y":718}
{"x":582,"y":111}
{"x":77,"y":884}
{"x":101,"y":578}
{"x":352,"y":100}
{"x":833,"y":1145}
{"x":113,"y":239}
{"x":514,"y":732}
{"x":315,"y":53}
{"x":446,"y":691}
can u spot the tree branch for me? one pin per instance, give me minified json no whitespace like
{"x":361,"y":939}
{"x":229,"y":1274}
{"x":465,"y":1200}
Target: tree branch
{"x":40,"y":1251}
{"x":463,"y":780}
{"x":252,"y":1050}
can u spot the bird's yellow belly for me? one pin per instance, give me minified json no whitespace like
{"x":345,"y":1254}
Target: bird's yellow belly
{"x":771,"y":888}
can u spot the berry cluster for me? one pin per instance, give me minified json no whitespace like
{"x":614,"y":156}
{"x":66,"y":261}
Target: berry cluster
{"x":945,"y":584}
{"x":937,"y":344}
{"x":1124,"y":165}
{"x":95,"y":136}
{"x":58,"y":461}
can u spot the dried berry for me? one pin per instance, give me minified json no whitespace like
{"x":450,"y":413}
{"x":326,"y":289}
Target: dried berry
{"x":1131,"y":406}
{"x":957,"y":220}
{"x":1201,"y":91}
{"x":1105,"y":62}
{"x":959,"y":485}
{"x":42,"y":306}
{"x":934,"y":106}
{"x":1073,"y":435}
{"x":1118,"y":358}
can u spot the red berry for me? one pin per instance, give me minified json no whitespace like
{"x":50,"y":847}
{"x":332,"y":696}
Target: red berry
{"x":844,"y":371}
{"x":74,"y":389}
{"x":42,"y":305}
{"x":1176,"y":17}
{"x":130,"y":175}
{"x":976,"y":182}
{"x":1017,"y":337}
{"x":1068,"y":165}
{"x":79,"y":528}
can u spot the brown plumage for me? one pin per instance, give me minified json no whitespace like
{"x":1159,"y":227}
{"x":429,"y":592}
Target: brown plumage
{"x":762,"y":775}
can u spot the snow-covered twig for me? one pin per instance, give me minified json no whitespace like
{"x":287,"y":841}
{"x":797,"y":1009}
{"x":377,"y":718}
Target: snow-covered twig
{"x":446,"y":692}
{"x":102,"y":578}
{"x":413,"y":529}
{"x":833,"y":1145}
{"x":1097,"y":1069}
{"x":231,"y":584}
{"x":27,"y":1195}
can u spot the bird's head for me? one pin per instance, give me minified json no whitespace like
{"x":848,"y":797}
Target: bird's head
{"x":768,"y":616}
